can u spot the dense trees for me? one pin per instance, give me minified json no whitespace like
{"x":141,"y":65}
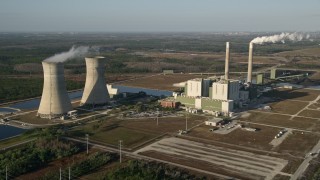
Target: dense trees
{"x":21,"y":88}
{"x":83,"y":167}
{"x":38,"y":153}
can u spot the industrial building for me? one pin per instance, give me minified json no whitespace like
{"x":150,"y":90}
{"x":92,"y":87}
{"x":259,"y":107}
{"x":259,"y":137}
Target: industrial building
{"x":55,"y":101}
{"x":214,"y":122}
{"x":95,"y":90}
{"x":210,"y":94}
{"x":169,"y":103}
{"x":216,"y":94}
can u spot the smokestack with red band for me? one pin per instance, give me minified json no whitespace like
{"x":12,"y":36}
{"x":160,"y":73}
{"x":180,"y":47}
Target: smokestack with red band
{"x":249,"y":79}
{"x":226,"y":68}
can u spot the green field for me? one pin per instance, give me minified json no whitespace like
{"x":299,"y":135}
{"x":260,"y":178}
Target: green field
{"x":130,"y":138}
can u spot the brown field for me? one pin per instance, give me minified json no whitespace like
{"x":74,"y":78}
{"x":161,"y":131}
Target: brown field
{"x":310,"y":113}
{"x":287,"y":106}
{"x":298,"y":94}
{"x":281,"y":177}
{"x":301,"y":52}
{"x":236,"y":57}
{"x":278,"y":120}
{"x":161,"y":82}
{"x":298,"y":143}
{"x":314,"y":106}
{"x":315,"y":76}
{"x":258,"y":140}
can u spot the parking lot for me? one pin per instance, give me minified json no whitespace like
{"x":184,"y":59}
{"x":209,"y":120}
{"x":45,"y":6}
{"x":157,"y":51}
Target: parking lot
{"x":236,"y":162}
{"x":148,"y":114}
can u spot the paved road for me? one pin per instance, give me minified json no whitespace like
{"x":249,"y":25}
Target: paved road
{"x":138,"y":156}
{"x":18,"y":144}
{"x":304,"y":165}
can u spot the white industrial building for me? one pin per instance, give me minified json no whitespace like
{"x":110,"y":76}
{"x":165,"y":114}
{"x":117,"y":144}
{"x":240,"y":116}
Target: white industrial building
{"x":213,"y":94}
{"x":226,"y":90}
{"x":198,"y":87}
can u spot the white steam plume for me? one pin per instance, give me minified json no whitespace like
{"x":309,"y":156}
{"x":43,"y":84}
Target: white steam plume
{"x":283,"y":37}
{"x":72,"y":53}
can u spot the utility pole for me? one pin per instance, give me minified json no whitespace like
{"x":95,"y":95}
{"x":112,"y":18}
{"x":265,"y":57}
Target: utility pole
{"x":69,"y":173}
{"x":87,"y":138}
{"x":6,"y":172}
{"x":60,"y":175}
{"x":186,"y":122}
{"x":157,"y":116}
{"x":120,"y":146}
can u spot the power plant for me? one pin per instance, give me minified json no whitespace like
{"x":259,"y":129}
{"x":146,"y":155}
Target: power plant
{"x":216,"y":94}
{"x":55,"y":101}
{"x":95,"y":91}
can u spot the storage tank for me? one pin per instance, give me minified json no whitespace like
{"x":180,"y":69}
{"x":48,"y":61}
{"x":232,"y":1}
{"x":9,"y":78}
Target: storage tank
{"x":95,"y":90}
{"x":55,"y":101}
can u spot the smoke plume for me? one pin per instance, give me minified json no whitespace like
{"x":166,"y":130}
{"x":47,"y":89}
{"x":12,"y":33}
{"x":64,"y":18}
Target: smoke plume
{"x":72,"y":53}
{"x":283,"y":37}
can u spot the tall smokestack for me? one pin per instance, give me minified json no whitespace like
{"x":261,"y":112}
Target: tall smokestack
{"x":226,"y":68}
{"x":249,"y":79}
{"x":55,"y":101}
{"x":95,"y":90}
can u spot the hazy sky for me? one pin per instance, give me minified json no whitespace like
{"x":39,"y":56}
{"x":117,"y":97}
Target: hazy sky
{"x":159,"y":15}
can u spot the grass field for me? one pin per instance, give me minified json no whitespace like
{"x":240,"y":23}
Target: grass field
{"x":133,"y":132}
{"x":130,"y":138}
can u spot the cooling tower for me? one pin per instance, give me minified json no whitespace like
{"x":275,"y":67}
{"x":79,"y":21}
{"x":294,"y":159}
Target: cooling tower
{"x":226,"y":68}
{"x":95,"y":90}
{"x":249,"y":79}
{"x":55,"y":101}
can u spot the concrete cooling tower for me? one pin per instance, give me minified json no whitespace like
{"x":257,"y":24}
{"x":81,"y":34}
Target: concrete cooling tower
{"x":55,"y":101}
{"x":95,"y":90}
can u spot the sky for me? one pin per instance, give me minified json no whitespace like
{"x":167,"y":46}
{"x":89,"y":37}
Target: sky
{"x":159,"y":15}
